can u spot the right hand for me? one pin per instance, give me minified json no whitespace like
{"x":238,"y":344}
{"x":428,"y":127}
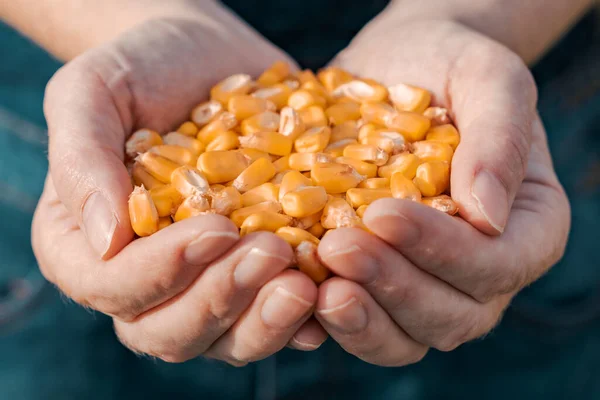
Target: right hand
{"x":194,"y":288}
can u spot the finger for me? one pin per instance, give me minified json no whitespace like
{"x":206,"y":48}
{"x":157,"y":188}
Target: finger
{"x":187,"y":325}
{"x":280,"y":308}
{"x":309,"y":337}
{"x":362,"y":327}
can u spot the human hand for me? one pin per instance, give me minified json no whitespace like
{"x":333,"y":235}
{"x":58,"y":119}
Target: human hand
{"x":194,"y":288}
{"x":426,"y":279}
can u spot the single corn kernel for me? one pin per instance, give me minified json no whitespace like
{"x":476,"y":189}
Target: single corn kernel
{"x":308,"y":221}
{"x":308,"y":262}
{"x":264,"y":221}
{"x":164,"y":222}
{"x":239,"y":216}
{"x":332,"y":77}
{"x":265,"y":121}
{"x":227,"y":140}
{"x":291,"y":181}
{"x":141,"y":177}
{"x":222,"y":166}
{"x":389,"y":141}
{"x":336,"y":149}
{"x":367,"y":153}
{"x":216,"y":188}
{"x":269,"y":142}
{"x":433,"y":151}
{"x":359,"y":197}
{"x":313,"y":117}
{"x":291,"y":83}
{"x":406,"y":163}
{"x":223,"y":123}
{"x":141,"y":141}
{"x":433,"y":178}
{"x":157,"y":166}
{"x":188,"y":129}
{"x":188,"y":181}
{"x":245,"y":106}
{"x":377,"y":113}
{"x":177,"y":154}
{"x":178,"y":139}
{"x":282,"y":164}
{"x":279,"y":94}
{"x":306,"y":76}
{"x":437,"y":115}
{"x":304,"y":98}
{"x":365,"y":90}
{"x":317,"y":88}
{"x":363,"y":168}
{"x":409,"y":98}
{"x":335,"y":178}
{"x":166,"y":200}
{"x":305,"y":161}
{"x":290,"y":123}
{"x":313,"y":140}
{"x":346,"y":130}
{"x":404,"y":188}
{"x":375,"y":183}
{"x":304,"y":201}
{"x":253,"y":155}
{"x":225,"y":201}
{"x":317,"y":230}
{"x":339,"y":214}
{"x":206,"y":112}
{"x":274,"y":74}
{"x":411,"y":125}
{"x":445,"y":134}
{"x":369,"y":129}
{"x":257,"y":173}
{"x":295,"y":236}
{"x":360,"y":211}
{"x":265,"y":192}
{"x":192,"y":206}
{"x":442,"y":203}
{"x":142,"y":212}
{"x":342,"y":112}
{"x":227,"y":88}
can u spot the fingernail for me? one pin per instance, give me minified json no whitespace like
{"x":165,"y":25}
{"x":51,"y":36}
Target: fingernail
{"x":283,"y":309}
{"x":253,"y":270}
{"x":492,"y":199}
{"x":350,"y":317}
{"x":99,"y":222}
{"x":403,"y":229}
{"x":299,"y":344}
{"x":358,"y":264}
{"x":204,"y":249}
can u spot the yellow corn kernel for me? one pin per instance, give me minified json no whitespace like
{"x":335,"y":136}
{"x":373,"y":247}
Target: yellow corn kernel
{"x":290,"y":123}
{"x":223,"y":123}
{"x":164,"y":222}
{"x":177,"y":154}
{"x":369,"y":129}
{"x":166,"y":200}
{"x":304,"y":98}
{"x":188,"y":181}
{"x":265,"y":192}
{"x":360,"y":197}
{"x":304,"y":201}
{"x":222,"y":166}
{"x":365,"y":90}
{"x":363,"y":168}
{"x":313,"y":116}
{"x":342,"y":112}
{"x":442,"y":203}
{"x":245,"y":106}
{"x":227,"y":88}
{"x":411,"y":125}
{"x":317,"y":230}
{"x":253,"y":155}
{"x":142,"y":212}
{"x":227,"y":140}
{"x":141,"y":177}
{"x":308,"y":262}
{"x":274,"y":74}
{"x":282,"y":164}
{"x":265,"y":121}
{"x":292,"y":83}
{"x":332,"y":77}
{"x":206,"y":112}
{"x":406,"y":163}
{"x":313,"y":140}
{"x":278,"y":94}
{"x":264,"y":221}
{"x":433,"y":151}
{"x":437,"y":115}
{"x":225,"y":201}
{"x":306,"y":76}
{"x":291,"y":181}
{"x":339,"y":214}
{"x":345,"y":130}
{"x":404,"y":188}
{"x":335,"y":178}
{"x":305,"y":161}
{"x":336,"y":149}
{"x":179,"y":139}
{"x":433,"y":178}
{"x":269,"y":142}
{"x":308,"y":221}
{"x":377,"y":113}
{"x":216,"y":188}
{"x":389,"y":141}
{"x":445,"y":134}
{"x":360,"y":211}
{"x":239,"y":215}
{"x":317,"y":88}
{"x":257,"y":173}
{"x":192,"y":206}
{"x":141,"y":141}
{"x":278,"y":178}
{"x":375,"y":183}
{"x":409,"y":98}
{"x":295,"y":236}
{"x":367,"y":153}
{"x":157,"y":166}
{"x":188,"y":128}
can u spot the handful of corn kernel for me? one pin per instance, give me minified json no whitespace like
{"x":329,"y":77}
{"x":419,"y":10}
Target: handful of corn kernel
{"x":294,"y":154}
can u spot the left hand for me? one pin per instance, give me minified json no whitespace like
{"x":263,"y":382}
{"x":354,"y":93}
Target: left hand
{"x":426,"y":279}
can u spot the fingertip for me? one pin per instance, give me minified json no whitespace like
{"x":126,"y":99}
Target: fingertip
{"x":309,"y":337}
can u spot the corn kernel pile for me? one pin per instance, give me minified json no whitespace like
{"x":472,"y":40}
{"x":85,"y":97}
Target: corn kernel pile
{"x":295,"y":154}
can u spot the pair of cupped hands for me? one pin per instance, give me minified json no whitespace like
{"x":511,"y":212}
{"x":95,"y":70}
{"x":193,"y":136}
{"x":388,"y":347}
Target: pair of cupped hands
{"x":422,"y":280}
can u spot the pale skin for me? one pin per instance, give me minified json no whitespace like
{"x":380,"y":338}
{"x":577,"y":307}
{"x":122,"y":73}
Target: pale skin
{"x":423,"y":280}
